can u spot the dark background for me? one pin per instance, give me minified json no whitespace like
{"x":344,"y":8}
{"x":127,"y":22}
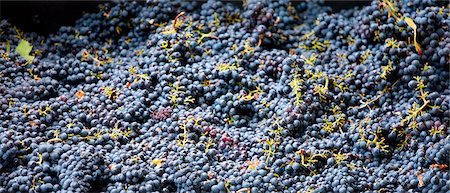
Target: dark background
{"x":46,"y":17}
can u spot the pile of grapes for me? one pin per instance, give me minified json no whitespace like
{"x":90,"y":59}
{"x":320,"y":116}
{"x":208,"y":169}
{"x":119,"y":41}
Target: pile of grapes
{"x":253,"y":96}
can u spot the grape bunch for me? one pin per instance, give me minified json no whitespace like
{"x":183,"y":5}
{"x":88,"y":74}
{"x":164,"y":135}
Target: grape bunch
{"x":252,"y":96}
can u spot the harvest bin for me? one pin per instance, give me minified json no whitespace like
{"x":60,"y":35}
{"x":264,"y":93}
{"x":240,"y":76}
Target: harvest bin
{"x":225,"y":96}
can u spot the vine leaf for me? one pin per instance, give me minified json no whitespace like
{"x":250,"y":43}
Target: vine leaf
{"x":24,"y":49}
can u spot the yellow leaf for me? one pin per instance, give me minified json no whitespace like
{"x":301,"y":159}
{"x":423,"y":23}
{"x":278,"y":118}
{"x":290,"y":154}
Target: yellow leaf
{"x":410,"y":23}
{"x":158,"y":162}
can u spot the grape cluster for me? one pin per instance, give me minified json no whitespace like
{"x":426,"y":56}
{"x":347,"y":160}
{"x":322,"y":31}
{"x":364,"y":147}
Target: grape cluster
{"x":252,"y":96}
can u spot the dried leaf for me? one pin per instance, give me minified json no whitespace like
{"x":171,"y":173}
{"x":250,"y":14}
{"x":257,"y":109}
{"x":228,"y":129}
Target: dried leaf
{"x":439,"y":166}
{"x":411,"y":24}
{"x":243,"y":190}
{"x":420,"y":178}
{"x":32,"y":123}
{"x":79,"y":94}
{"x":252,"y":164}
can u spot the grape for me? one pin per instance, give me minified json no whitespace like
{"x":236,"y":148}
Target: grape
{"x":173,"y":96}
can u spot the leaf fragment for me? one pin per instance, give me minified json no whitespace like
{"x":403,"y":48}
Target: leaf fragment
{"x":420,"y":178}
{"x":24,"y":49}
{"x":252,"y":165}
{"x":80,"y":95}
{"x":411,"y":24}
{"x":8,"y":46}
{"x":158,"y":162}
{"x":439,"y":166}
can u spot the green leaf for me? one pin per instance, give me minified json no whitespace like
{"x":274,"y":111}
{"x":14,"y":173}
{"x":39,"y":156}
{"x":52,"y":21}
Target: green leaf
{"x":24,"y":49}
{"x":8,"y":47}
